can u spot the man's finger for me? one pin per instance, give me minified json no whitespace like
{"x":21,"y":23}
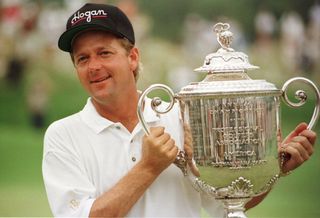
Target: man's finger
{"x":310,"y":135}
{"x":296,"y":132}
{"x":156,"y":131}
{"x":305,"y":143}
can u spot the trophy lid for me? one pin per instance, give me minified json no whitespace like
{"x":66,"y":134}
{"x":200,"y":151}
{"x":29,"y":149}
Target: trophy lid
{"x":226,"y":70}
{"x":225,"y":59}
{"x":229,"y":88}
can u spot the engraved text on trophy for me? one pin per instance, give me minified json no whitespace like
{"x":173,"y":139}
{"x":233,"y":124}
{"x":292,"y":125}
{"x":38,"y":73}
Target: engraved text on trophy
{"x":235,"y":136}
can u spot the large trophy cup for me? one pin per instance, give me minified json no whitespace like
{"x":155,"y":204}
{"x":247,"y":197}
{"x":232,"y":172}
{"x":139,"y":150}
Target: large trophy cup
{"x":235,"y":126}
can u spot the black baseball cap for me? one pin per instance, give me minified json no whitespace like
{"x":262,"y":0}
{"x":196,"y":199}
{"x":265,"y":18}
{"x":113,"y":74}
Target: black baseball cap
{"x":96,"y":16}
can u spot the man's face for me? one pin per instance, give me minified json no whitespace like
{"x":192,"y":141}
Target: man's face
{"x":104,"y":67}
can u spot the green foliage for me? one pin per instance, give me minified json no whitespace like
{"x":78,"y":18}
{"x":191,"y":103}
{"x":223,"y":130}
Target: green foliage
{"x":12,"y":104}
{"x":68,"y":97}
{"x":169,"y":15}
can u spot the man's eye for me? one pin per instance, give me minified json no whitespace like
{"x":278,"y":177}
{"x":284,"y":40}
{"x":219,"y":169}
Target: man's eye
{"x":81,"y":59}
{"x":105,"y":53}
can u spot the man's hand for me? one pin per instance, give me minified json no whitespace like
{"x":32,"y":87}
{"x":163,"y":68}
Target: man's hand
{"x":298,"y":147}
{"x":158,"y":152}
{"x":158,"y":149}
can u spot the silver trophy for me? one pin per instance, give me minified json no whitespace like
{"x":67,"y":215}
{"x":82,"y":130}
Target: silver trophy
{"x":235,"y":126}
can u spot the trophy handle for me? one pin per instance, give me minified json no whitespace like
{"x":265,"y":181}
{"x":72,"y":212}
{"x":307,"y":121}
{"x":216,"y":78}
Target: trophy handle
{"x":302,"y":96}
{"x":181,"y":159}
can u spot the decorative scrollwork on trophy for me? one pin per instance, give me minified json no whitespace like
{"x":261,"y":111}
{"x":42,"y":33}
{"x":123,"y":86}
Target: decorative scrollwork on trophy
{"x":241,"y":187}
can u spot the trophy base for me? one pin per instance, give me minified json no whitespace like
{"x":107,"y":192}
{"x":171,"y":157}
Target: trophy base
{"x":234,"y":208}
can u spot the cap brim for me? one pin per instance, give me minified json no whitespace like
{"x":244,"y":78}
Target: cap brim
{"x":66,"y":38}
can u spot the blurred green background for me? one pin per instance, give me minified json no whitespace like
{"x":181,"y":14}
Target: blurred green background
{"x":38,"y":84}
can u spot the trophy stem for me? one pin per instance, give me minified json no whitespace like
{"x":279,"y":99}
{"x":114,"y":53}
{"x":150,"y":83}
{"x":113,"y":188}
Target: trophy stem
{"x":234,"y":208}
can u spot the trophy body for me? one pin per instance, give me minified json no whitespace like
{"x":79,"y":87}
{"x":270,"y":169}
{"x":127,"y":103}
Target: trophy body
{"x":234,"y":138}
{"x":234,"y":123}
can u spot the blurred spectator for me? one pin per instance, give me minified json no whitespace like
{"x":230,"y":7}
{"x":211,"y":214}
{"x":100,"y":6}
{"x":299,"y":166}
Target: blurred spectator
{"x":181,"y":76}
{"x":37,"y":99}
{"x":11,"y":17}
{"x":49,"y":24}
{"x":141,"y":23}
{"x":292,"y":40}
{"x":264,"y":52}
{"x":311,"y":50}
{"x":11,"y":11}
{"x":265,"y":24}
{"x":14,"y":71}
{"x":31,"y":46}
{"x":199,"y":39}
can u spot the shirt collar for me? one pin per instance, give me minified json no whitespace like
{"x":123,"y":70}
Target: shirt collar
{"x":97,"y":123}
{"x":93,"y":119}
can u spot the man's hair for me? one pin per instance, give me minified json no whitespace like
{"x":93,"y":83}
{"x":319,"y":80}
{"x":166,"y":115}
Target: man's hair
{"x":127,"y":45}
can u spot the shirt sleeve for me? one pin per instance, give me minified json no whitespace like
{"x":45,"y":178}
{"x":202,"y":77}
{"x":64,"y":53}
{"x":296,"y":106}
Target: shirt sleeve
{"x":69,"y":191}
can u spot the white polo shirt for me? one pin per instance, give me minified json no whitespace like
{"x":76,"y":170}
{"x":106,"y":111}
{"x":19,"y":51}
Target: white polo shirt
{"x":86,"y":154}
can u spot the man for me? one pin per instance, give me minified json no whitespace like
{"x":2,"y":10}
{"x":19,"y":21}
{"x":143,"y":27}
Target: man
{"x":98,"y":162}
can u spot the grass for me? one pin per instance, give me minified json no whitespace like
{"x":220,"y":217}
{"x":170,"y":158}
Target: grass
{"x":295,"y":195}
{"x":21,"y":187}
{"x":23,"y":201}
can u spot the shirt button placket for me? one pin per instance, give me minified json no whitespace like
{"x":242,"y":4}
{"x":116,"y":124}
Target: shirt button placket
{"x":133,"y":158}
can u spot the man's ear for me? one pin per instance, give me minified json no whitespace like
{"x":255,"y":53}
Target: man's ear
{"x":134,"y":58}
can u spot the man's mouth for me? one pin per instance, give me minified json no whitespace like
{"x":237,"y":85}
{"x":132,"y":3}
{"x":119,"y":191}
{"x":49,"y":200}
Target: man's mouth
{"x":100,"y":79}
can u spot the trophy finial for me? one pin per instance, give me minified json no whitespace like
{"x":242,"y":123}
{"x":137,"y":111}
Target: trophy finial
{"x":226,"y":59}
{"x":224,"y":36}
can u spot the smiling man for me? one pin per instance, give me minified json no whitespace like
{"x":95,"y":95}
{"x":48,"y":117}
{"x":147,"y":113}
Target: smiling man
{"x":98,"y":162}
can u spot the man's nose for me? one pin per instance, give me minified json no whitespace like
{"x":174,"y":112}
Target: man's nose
{"x":94,"y":64}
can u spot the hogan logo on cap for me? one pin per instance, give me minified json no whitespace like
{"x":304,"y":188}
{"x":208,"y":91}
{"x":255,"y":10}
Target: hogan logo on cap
{"x":88,"y":15}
